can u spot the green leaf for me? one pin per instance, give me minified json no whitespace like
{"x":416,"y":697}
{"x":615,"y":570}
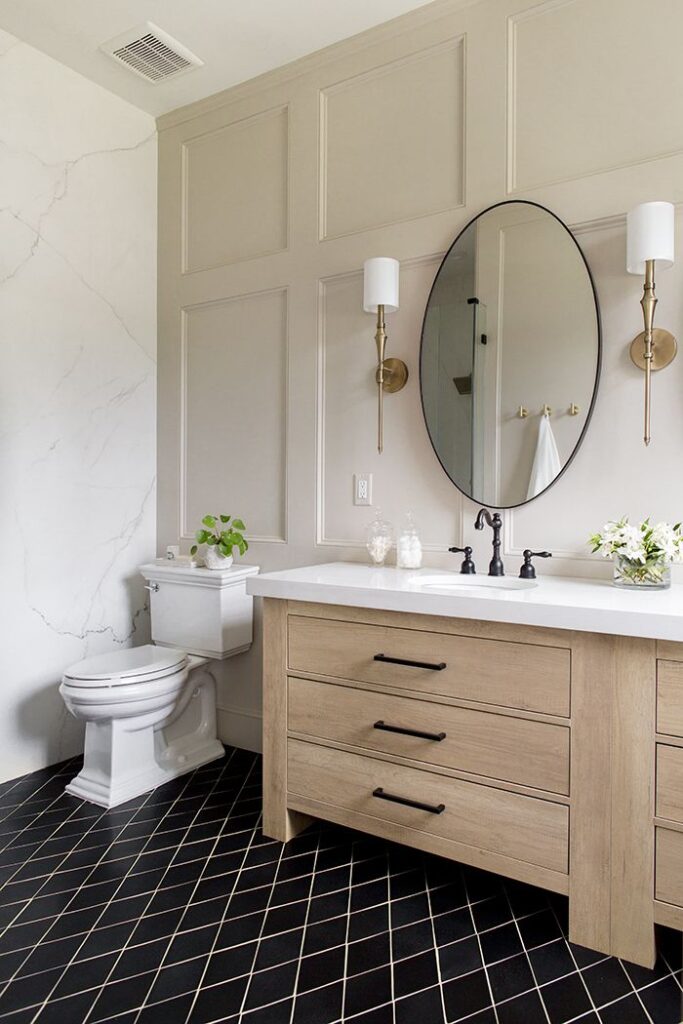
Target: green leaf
{"x":209,"y":521}
{"x":225,"y":519}
{"x":238,"y":524}
{"x":211,"y":540}
{"x":201,"y":536}
{"x":225,"y":549}
{"x":193,"y":549}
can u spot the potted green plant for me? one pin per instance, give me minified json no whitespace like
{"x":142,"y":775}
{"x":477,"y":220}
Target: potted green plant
{"x":220,"y":534}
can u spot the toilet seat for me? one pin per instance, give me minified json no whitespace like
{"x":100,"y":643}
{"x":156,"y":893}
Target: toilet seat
{"x":126,"y":668}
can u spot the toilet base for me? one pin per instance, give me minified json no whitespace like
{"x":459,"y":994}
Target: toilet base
{"x":110,"y":794}
{"x":127,"y":756}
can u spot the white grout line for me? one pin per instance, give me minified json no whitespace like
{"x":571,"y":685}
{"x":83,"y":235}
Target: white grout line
{"x":127,"y":945}
{"x":295,"y":990}
{"x":437,"y":948}
{"x":391,"y":940}
{"x":528,"y":958}
{"x":187,"y":782}
{"x":346,"y":936}
{"x":160,"y":827}
{"x":571,"y":953}
{"x":221,"y":922}
{"x":481,"y":951}
{"x":259,"y":939}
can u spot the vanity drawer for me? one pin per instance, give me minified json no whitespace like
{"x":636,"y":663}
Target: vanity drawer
{"x":514,"y":749}
{"x":669,"y":782}
{"x":519,"y":827}
{"x":516,"y":675}
{"x":670,"y":697}
{"x":669,"y":866}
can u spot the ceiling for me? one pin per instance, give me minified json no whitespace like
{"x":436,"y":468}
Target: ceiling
{"x":236,"y":40}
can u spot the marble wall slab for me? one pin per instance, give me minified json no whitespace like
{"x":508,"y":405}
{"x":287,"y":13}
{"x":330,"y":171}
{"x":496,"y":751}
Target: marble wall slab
{"x":77,"y":388}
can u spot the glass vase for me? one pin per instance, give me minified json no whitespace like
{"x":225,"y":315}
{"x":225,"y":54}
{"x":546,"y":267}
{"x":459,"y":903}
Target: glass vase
{"x":633,"y":575}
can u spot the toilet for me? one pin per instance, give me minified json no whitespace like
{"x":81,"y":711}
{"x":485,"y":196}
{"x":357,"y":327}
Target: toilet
{"x":150,"y":711}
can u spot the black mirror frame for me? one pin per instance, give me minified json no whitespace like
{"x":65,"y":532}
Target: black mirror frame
{"x":598,"y":368}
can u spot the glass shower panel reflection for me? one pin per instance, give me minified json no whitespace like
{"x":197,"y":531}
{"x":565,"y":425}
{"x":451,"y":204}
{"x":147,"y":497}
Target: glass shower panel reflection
{"x":449,"y":379}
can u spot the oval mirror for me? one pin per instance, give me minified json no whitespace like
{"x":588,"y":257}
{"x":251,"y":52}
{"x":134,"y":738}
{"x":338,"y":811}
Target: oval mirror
{"x":510,"y":354}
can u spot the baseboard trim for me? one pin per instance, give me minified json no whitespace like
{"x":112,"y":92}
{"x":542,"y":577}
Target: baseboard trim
{"x":239,"y":727}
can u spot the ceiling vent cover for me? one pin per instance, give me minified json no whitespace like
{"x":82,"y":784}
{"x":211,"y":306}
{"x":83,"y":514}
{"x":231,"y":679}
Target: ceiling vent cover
{"x":151,"y":53}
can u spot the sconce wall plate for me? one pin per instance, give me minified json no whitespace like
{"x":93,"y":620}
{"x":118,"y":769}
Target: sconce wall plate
{"x":664,"y":349}
{"x":395,"y":375}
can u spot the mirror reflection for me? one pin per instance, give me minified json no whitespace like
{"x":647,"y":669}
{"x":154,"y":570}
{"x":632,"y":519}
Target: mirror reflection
{"x":510,"y":354}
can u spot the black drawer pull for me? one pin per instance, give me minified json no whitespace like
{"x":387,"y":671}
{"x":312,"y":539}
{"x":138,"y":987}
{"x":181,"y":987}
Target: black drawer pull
{"x":432,"y":808}
{"x":438,"y":736}
{"x":435,"y":667}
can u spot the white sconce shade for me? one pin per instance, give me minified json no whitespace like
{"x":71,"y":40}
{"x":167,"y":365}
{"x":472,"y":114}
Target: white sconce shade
{"x":650,"y":236}
{"x":380,"y":280}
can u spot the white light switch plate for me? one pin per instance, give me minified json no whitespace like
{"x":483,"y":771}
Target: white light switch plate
{"x":362,"y":488}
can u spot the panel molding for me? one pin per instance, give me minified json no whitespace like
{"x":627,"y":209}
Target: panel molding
{"x":184,"y":533}
{"x":241,"y":122}
{"x":455,"y":43}
{"x":321,"y":539}
{"x":512,"y":186}
{"x":512,"y":548}
{"x":404,"y":25}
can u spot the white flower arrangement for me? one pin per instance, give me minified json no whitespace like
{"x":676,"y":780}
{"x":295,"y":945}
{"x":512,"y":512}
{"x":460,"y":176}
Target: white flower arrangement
{"x":642,"y":552}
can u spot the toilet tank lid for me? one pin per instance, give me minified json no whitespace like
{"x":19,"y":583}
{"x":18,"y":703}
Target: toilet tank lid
{"x":199,"y":576}
{"x":131,"y":661}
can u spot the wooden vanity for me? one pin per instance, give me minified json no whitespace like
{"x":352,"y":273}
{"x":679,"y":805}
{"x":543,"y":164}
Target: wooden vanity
{"x":548,"y":755}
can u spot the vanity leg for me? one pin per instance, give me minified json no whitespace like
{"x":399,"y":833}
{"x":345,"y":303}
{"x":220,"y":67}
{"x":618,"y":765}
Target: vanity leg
{"x":591,"y":801}
{"x":633,"y":800}
{"x":278,"y":822}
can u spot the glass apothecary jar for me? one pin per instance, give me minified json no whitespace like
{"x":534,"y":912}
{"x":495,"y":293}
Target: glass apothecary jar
{"x":379,"y":538}
{"x":409,"y":547}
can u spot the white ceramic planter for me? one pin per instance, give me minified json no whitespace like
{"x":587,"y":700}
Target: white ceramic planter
{"x":213,"y":559}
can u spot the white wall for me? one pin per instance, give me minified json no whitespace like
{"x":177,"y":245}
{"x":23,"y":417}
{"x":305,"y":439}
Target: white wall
{"x":77,"y":388}
{"x":387,"y":145}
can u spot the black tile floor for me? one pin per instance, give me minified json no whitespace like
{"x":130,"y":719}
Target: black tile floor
{"x":174,"y":908}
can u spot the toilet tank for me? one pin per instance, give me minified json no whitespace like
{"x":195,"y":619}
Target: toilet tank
{"x":203,"y":611}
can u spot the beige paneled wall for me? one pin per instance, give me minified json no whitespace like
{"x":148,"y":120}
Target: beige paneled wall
{"x":273,"y":194}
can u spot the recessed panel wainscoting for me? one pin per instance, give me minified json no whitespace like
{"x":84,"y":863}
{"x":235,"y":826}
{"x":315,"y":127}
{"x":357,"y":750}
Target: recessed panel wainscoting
{"x":274,"y":193}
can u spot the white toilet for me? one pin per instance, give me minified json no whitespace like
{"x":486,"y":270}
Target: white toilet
{"x":150,"y":712}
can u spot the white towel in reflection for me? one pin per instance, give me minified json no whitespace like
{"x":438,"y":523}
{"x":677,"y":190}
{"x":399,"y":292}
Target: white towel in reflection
{"x":547,"y":463}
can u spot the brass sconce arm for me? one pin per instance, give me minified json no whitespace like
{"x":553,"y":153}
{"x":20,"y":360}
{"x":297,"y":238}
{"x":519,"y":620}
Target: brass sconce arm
{"x":648,"y":304}
{"x":380,"y":294}
{"x":654,"y":348}
{"x":391,"y":375}
{"x":650,"y":237}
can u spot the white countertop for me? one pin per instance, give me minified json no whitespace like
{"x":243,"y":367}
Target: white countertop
{"x":560,"y":602}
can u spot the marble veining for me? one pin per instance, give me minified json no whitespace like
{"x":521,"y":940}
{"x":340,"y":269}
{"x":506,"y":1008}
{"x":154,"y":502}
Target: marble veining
{"x":77,"y":387}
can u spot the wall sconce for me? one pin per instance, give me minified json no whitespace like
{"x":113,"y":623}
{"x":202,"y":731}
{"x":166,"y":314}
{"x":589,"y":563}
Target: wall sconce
{"x":380,"y":296}
{"x":650,"y":237}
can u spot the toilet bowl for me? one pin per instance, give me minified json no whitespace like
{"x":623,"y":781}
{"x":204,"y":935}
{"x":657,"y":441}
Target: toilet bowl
{"x":150,"y":711}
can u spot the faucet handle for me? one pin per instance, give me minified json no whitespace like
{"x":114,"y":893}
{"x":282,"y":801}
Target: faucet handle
{"x":467,"y":567}
{"x":527,"y":571}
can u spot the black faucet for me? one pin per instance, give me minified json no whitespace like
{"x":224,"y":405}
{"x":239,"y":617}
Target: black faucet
{"x":496,"y":567}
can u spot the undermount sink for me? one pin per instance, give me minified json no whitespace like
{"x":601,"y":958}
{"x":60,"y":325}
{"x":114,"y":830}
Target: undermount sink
{"x":461,"y":582}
